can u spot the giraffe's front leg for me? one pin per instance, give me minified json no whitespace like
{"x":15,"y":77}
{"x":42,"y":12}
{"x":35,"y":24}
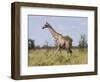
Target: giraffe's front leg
{"x":58,"y":50}
{"x":57,"y":46}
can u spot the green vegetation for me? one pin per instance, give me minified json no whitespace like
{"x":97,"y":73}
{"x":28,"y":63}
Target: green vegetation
{"x":47,"y":57}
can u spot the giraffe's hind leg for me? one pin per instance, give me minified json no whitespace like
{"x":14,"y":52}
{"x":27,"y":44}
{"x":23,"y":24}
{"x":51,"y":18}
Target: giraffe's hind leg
{"x":70,"y":51}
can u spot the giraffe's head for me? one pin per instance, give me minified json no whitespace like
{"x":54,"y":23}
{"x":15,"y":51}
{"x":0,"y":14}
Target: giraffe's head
{"x":46,"y":25}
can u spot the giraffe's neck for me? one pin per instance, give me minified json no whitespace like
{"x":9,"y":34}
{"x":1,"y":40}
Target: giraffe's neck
{"x":53,"y":32}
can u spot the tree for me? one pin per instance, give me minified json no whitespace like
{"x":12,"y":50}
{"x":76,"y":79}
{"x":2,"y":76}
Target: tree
{"x":83,"y":42}
{"x":31,"y":44}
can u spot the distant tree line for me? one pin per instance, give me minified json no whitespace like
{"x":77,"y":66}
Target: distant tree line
{"x":83,"y":42}
{"x":81,"y":45}
{"x":31,"y":44}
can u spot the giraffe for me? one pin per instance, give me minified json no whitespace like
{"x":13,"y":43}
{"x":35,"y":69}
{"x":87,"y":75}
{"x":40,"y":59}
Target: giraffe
{"x":60,"y":40}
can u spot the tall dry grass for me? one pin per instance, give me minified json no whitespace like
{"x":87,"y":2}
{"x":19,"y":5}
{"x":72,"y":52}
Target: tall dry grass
{"x":47,"y":57}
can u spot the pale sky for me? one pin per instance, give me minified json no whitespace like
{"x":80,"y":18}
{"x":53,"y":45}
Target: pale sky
{"x":65,"y":25}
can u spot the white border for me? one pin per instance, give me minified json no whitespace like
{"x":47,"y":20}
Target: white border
{"x":25,"y":70}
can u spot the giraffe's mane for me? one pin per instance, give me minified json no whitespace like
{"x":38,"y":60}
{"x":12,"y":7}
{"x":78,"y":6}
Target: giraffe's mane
{"x":53,"y":28}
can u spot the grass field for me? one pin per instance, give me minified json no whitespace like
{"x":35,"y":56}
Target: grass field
{"x":47,"y":57}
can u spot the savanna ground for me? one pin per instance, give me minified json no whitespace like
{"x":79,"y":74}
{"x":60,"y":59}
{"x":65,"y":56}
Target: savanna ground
{"x":47,"y":57}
